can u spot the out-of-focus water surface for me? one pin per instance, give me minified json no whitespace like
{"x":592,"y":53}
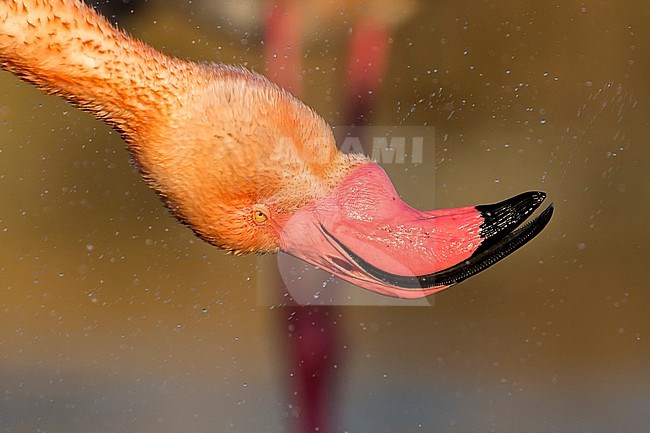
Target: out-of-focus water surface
{"x":114,"y":317}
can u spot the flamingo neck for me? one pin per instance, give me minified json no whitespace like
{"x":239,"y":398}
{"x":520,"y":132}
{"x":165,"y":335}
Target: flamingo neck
{"x":66,"y":48}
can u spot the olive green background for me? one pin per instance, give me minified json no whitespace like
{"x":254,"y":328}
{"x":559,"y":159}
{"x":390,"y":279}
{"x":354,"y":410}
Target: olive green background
{"x":114,"y":317}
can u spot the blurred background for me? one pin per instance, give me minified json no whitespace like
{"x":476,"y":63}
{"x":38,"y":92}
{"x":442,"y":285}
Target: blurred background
{"x":114,"y":317}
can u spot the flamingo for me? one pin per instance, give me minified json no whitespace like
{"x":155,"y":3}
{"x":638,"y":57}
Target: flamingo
{"x":247,"y":166}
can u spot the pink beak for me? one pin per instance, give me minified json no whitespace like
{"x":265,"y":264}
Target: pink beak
{"x":364,"y":233}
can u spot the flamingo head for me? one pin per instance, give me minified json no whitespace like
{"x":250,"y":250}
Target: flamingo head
{"x":361,"y":231}
{"x":268,"y":176}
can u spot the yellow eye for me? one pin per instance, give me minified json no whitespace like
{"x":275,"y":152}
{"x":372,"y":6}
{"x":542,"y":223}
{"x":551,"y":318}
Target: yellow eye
{"x":260,"y":214}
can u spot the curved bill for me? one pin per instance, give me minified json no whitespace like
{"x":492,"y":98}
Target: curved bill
{"x":366,"y":235}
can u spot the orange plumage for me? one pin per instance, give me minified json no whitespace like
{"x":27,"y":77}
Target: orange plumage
{"x":245,"y":164}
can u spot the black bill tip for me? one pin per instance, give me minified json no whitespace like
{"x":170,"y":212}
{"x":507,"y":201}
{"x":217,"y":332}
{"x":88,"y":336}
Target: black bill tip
{"x":499,"y":246}
{"x":501,"y":218}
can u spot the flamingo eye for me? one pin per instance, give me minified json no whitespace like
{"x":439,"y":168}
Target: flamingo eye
{"x":259,"y":215}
